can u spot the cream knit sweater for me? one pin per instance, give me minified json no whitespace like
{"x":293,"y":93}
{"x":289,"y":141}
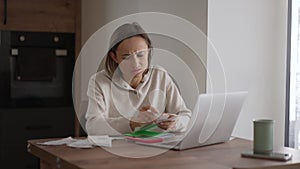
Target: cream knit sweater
{"x":112,"y":101}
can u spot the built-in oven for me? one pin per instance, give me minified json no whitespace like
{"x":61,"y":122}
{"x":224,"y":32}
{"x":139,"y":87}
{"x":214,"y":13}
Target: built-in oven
{"x":36,"y":69}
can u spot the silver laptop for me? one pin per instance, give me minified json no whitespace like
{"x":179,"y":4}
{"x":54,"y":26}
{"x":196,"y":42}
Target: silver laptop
{"x":213,"y":120}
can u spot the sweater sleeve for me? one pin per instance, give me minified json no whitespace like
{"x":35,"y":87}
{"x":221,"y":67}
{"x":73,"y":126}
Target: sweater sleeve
{"x":98,"y":121}
{"x":176,"y":105}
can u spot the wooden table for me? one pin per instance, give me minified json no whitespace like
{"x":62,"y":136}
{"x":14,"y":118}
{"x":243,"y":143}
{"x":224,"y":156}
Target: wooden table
{"x":219,"y":156}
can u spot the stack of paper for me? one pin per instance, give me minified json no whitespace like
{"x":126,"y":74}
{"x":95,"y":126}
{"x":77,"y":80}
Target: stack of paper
{"x":89,"y":142}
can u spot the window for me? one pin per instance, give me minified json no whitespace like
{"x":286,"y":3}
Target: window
{"x":293,"y":76}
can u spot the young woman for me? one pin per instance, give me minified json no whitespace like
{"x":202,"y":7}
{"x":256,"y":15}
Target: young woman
{"x":129,"y":93}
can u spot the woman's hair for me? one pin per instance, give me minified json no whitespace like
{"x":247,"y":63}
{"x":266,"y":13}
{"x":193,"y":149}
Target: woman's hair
{"x":123,"y":32}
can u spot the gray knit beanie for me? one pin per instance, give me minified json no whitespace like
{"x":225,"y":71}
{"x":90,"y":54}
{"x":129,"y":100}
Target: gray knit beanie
{"x":125,"y":31}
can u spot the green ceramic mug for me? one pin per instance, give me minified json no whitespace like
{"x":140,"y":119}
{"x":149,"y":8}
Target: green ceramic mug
{"x":263,"y":136}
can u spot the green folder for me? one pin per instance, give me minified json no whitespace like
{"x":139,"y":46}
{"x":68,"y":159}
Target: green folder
{"x":145,"y":132}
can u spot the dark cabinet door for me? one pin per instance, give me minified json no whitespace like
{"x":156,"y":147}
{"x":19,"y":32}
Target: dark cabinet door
{"x":19,"y":125}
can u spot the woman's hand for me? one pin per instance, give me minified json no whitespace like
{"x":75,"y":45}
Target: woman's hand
{"x":169,"y":123}
{"x":147,"y":115}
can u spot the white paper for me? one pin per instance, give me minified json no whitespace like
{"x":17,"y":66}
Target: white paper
{"x":117,"y":138}
{"x":82,"y":143}
{"x":101,"y":140}
{"x":58,"y":142}
{"x":89,"y":142}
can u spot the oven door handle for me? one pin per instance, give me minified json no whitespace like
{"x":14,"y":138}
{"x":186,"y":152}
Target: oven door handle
{"x":58,"y":52}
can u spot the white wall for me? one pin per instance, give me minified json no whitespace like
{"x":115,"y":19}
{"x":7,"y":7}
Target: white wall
{"x":250,"y":38}
{"x":96,"y":14}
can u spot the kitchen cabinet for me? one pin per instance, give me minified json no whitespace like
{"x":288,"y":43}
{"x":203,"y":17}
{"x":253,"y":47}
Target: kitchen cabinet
{"x":19,"y":125}
{"x":36,"y":15}
{"x":63,"y":16}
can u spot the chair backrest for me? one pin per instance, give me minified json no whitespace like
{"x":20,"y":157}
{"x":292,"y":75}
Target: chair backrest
{"x":81,"y":115}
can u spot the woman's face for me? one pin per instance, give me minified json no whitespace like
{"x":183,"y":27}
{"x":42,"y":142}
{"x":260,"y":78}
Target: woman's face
{"x":132,"y":57}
